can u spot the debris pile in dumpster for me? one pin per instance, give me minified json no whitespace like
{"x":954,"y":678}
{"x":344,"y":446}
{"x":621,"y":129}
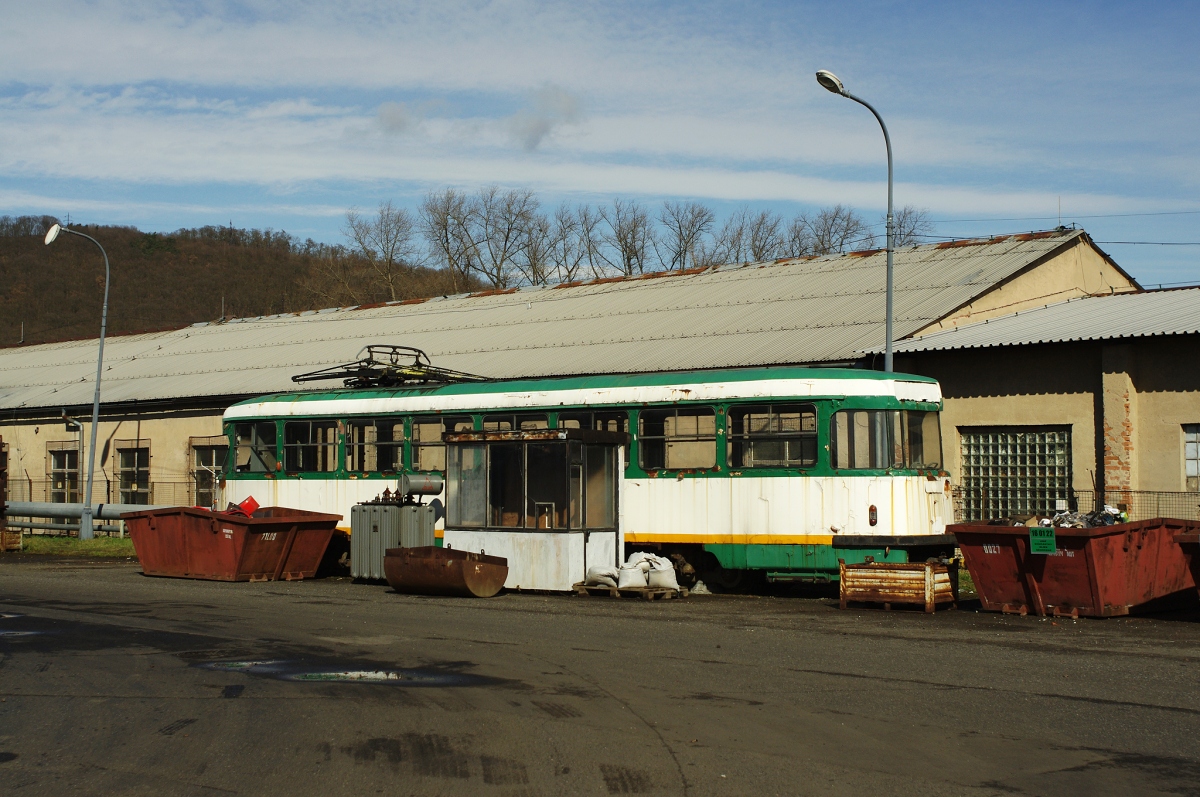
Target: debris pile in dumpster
{"x":1108,"y":516}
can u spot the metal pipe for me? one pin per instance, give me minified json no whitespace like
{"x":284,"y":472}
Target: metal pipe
{"x":55,"y":526}
{"x":46,"y":509}
{"x":85,"y":523}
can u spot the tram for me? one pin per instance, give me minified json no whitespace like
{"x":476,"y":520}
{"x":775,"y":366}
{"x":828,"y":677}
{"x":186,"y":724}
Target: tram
{"x":779,"y":471}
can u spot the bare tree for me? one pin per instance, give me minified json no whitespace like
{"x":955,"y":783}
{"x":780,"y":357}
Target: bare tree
{"x":444,"y":223}
{"x":591,"y":238}
{"x":499,"y":224}
{"x":535,"y":258}
{"x":684,"y":226}
{"x":386,"y":241}
{"x":731,"y":244}
{"x":798,"y":239}
{"x":628,"y":237}
{"x":339,"y":278}
{"x":912,"y":225}
{"x":568,"y":241}
{"x":764,"y":236}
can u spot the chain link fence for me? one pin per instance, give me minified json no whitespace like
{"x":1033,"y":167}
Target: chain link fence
{"x":995,"y":504}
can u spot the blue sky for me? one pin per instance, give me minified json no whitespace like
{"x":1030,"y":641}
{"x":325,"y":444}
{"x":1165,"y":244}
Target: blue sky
{"x":284,"y":114}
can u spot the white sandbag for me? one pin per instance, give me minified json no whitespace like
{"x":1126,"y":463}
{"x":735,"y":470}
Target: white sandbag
{"x":631,"y":577}
{"x":662,"y":573}
{"x":637,"y":557}
{"x":601,"y":576}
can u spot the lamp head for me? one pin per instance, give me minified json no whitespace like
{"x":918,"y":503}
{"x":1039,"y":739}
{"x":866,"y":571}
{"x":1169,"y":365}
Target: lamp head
{"x":52,"y":233}
{"x":830,"y":81}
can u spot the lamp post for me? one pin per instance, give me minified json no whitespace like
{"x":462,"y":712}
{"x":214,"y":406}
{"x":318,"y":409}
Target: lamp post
{"x":85,"y":522}
{"x":830,"y":81}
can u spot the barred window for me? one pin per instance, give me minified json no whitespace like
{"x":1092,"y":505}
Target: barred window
{"x":375,"y":446}
{"x":677,"y":438}
{"x":133,"y":471}
{"x":64,"y":472}
{"x":773,"y":436}
{"x":1191,"y":457}
{"x":208,"y":461}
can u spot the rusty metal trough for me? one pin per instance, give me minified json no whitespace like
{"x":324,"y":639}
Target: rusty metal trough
{"x":926,"y":584}
{"x":431,"y":570}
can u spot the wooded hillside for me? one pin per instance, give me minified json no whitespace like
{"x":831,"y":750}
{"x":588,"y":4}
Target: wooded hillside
{"x":168,"y":280}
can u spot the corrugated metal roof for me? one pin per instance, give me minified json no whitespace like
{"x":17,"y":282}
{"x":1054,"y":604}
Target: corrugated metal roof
{"x":785,"y":312}
{"x":1123,"y":315}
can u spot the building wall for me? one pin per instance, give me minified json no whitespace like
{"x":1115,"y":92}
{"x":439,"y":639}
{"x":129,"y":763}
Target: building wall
{"x":1125,"y":401}
{"x":1030,"y":386}
{"x":169,"y":434}
{"x":1080,"y":270}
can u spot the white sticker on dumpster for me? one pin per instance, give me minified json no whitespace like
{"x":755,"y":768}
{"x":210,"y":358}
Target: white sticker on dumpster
{"x":228,"y":533}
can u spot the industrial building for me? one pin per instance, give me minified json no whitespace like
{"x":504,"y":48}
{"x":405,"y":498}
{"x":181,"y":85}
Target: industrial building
{"x":163,"y":392}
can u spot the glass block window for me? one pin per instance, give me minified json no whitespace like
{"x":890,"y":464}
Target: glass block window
{"x":1015,"y":470}
{"x":1191,"y":456}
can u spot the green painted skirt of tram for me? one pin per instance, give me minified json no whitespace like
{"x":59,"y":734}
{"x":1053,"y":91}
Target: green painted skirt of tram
{"x":798,"y":561}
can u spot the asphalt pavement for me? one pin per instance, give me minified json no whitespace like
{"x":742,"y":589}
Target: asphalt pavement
{"x":115,"y":683}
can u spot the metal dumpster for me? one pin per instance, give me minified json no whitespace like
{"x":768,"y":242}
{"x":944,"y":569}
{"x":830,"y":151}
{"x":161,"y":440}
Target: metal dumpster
{"x":188,"y":542}
{"x":1103,"y":571}
{"x":1189,"y":543}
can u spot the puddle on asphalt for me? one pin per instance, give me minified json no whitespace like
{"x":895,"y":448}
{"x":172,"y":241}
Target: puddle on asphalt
{"x":317,"y":672}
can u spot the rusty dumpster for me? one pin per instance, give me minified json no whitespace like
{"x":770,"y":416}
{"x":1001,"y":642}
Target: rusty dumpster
{"x":1189,"y":543}
{"x":1104,"y":571}
{"x":189,"y":542}
{"x":430,"y":570}
{"x":924,"y":583}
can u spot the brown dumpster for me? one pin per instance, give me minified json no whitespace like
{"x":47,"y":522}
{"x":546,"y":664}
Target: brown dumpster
{"x":1098,"y":572}
{"x":1189,"y":543}
{"x":188,"y":542}
{"x":431,"y":570}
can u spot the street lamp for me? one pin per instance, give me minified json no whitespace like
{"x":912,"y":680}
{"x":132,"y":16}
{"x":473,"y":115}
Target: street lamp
{"x":85,"y":522}
{"x":830,"y":81}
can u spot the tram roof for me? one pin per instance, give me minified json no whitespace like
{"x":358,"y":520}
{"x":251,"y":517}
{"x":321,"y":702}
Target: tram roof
{"x":786,"y":312}
{"x":704,"y":385}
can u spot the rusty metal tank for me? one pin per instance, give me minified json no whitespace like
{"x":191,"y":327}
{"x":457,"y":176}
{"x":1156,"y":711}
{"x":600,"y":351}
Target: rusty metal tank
{"x":444,"y":571}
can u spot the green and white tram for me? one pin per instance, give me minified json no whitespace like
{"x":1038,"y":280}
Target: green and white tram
{"x":780,"y":470}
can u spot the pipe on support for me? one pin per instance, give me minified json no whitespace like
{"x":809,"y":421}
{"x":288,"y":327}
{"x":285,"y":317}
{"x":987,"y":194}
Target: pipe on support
{"x":74,"y":511}
{"x":56,"y":526}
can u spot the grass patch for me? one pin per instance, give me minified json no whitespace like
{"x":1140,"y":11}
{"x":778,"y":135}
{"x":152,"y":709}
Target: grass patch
{"x":966,"y":585}
{"x":70,"y":546}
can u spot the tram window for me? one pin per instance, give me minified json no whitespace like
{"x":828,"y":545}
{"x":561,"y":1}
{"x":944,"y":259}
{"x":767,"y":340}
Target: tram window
{"x":256,"y":447}
{"x":867,"y":439}
{"x":429,"y":453}
{"x":546,"y":486}
{"x":310,"y":446}
{"x":374,"y":446}
{"x":506,"y":485}
{"x":773,"y":436}
{"x":601,"y":487}
{"x":507,"y":423}
{"x":922,"y":439}
{"x":466,"y":486}
{"x":674,"y":439}
{"x":603,"y":421}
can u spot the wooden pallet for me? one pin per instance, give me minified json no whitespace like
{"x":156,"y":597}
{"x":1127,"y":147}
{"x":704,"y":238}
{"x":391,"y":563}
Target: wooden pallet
{"x":646,"y":593}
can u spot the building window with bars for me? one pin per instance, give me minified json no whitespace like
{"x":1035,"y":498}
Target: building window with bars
{"x":64,"y":472}
{"x":208,"y":462}
{"x":1191,"y":457}
{"x":1015,"y":470}
{"x":133,"y":471}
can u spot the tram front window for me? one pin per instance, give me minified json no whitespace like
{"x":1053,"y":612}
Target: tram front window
{"x":883,"y":439}
{"x":256,"y":447}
